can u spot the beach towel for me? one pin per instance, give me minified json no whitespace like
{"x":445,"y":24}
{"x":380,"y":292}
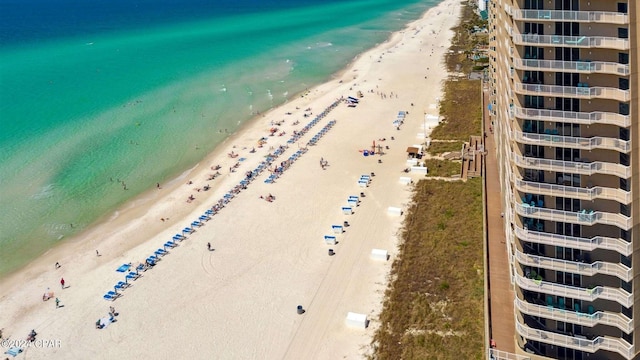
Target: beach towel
{"x":104,"y":322}
{"x":13,"y":351}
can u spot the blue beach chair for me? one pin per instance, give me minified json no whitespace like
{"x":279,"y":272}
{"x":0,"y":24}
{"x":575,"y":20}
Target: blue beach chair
{"x":196,"y":223}
{"x":132,"y":276}
{"x":178,"y":237}
{"x":187,"y":230}
{"x":121,"y":285}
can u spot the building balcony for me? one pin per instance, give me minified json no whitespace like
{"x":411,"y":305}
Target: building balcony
{"x":599,"y":267}
{"x":580,"y":91}
{"x":578,"y":342}
{"x":575,"y":167}
{"x":603,"y":17}
{"x":584,"y":217}
{"x":568,"y":315}
{"x":585,"y":67}
{"x":573,"y":142}
{"x":602,"y":42}
{"x":599,"y":292}
{"x":588,"y":194}
{"x":572,"y":117}
{"x":588,"y":244}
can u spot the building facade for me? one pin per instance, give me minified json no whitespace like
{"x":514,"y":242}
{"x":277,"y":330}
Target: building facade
{"x":564,"y":86}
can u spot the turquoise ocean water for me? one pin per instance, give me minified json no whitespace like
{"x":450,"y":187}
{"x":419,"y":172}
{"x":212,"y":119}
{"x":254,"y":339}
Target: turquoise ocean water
{"x":101,"y":90}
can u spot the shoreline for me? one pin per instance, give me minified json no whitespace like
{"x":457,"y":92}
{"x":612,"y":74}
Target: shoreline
{"x":137,"y":226}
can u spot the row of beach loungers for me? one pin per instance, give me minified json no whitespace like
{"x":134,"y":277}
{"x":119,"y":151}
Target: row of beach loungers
{"x":313,"y":122}
{"x":284,"y":166}
{"x":153,"y":259}
{"x":321,"y":133}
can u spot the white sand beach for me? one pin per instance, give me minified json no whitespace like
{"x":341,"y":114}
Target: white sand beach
{"x":239,"y":300}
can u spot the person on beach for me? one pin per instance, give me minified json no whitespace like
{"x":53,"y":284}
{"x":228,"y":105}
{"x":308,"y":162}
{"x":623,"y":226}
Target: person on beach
{"x":209,"y":246}
{"x":97,"y":253}
{"x":57,"y":303}
{"x":57,"y":265}
{"x":62,"y":282}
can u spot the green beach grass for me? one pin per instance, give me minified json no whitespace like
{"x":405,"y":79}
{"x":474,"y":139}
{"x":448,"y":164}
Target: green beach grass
{"x":434,"y":307}
{"x":438,"y":147}
{"x":434,"y":304}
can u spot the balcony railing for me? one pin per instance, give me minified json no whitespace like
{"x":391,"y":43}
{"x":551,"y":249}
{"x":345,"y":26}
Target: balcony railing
{"x":596,"y":117}
{"x":599,"y":317}
{"x":598,"y":267}
{"x":591,"y":143}
{"x":593,"y":193}
{"x":604,"y":17}
{"x":584,"y":168}
{"x":583,"y":218}
{"x":572,"y":66}
{"x":617,"y":345}
{"x":595,"y":92}
{"x":598,"y":242}
{"x":495,"y":354}
{"x":599,"y":292}
{"x":570,"y":41}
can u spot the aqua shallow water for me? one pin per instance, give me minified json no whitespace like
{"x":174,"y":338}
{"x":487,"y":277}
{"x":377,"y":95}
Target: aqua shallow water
{"x":94,"y":94}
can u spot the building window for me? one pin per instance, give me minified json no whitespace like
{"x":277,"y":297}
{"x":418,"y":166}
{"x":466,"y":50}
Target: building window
{"x":623,"y":108}
{"x":625,"y":235}
{"x":622,"y":7}
{"x":533,"y":28}
{"x":567,"y":5}
{"x":623,"y":58}
{"x":533,"y":52}
{"x":623,"y":84}
{"x":536,"y":102}
{"x":624,"y":185}
{"x":624,"y":134}
{"x":624,"y":159}
{"x":625,"y":210}
{"x":534,"y":4}
{"x":623,"y":33}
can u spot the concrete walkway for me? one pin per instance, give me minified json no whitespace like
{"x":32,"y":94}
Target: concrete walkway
{"x":501,"y":296}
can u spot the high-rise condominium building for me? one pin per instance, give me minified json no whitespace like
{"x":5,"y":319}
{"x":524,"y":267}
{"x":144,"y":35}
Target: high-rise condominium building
{"x":564,"y":89}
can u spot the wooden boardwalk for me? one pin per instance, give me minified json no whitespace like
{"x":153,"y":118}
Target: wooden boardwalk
{"x":472,"y":157}
{"x":501,"y":295}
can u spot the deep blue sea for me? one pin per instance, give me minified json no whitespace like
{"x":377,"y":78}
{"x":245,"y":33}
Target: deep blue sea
{"x":93,"y":90}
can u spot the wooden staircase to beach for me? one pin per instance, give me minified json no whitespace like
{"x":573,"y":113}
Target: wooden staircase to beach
{"x":472,"y":157}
